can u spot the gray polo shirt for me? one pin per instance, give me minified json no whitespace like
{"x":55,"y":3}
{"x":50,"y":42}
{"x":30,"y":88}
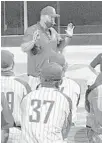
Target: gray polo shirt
{"x":47,"y":43}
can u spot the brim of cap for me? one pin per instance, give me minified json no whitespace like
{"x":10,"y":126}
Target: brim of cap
{"x":51,"y":78}
{"x":55,"y":15}
{"x":8,"y":68}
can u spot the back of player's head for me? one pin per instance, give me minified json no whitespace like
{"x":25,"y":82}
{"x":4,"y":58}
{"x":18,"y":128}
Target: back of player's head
{"x":7,"y":60}
{"x":51,"y":72}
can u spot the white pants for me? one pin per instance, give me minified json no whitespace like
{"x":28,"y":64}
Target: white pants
{"x":33,"y":82}
{"x":14,"y":135}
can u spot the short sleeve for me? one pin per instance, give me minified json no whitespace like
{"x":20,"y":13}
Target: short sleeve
{"x":28,"y":36}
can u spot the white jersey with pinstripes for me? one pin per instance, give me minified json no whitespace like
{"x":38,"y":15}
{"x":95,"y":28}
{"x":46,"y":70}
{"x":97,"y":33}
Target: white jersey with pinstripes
{"x":44,"y":117}
{"x":14,"y":89}
{"x":72,"y":90}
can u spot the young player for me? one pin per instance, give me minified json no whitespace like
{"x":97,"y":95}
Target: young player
{"x":47,"y":116}
{"x":68,"y":86}
{"x":14,"y":89}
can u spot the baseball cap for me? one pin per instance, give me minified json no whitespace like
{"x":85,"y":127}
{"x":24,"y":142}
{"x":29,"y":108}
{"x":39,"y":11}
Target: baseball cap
{"x":49,"y":10}
{"x":57,"y":58}
{"x":52,"y":71}
{"x":7,"y":59}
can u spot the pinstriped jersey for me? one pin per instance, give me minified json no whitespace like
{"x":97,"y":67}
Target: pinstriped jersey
{"x":47,"y":44}
{"x":14,"y":89}
{"x":94,"y":118}
{"x":45,"y":116}
{"x":72,"y":90}
{"x":6,"y":115}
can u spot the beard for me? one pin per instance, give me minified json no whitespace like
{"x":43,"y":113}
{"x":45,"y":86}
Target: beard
{"x":49,"y":24}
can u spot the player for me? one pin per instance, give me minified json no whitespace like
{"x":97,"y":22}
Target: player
{"x":39,"y":40}
{"x":94,"y":118}
{"x":7,"y":120}
{"x":14,"y":90}
{"x":68,"y":86}
{"x":97,"y":82}
{"x":47,"y":116}
{"x":72,"y":90}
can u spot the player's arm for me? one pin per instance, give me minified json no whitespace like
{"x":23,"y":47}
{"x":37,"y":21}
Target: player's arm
{"x":63,"y":42}
{"x":7,"y":120}
{"x":93,"y":99}
{"x":96,"y":61}
{"x":30,"y":38}
{"x":97,"y":111}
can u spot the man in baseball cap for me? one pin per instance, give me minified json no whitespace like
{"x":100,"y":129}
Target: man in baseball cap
{"x":51,"y":75}
{"x":7,"y":60}
{"x":40,"y":39}
{"x":48,"y":15}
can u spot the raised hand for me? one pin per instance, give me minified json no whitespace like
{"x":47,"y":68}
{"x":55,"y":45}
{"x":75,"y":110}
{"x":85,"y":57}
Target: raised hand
{"x":69,"y":30}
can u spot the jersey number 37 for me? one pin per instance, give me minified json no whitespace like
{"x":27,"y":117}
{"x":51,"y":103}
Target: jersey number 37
{"x":38,"y":113}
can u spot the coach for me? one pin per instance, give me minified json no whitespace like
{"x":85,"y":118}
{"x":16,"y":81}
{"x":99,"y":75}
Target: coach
{"x":40,"y":40}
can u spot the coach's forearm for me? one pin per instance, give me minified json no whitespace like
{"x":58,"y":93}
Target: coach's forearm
{"x":27,"y":46}
{"x":64,"y":43}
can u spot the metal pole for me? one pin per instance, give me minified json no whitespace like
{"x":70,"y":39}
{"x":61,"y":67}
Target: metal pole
{"x":58,"y":11}
{"x":25,"y":16}
{"x":4,"y":18}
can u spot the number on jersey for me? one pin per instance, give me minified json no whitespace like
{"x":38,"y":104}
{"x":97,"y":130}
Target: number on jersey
{"x":10,"y":98}
{"x":36,"y":110}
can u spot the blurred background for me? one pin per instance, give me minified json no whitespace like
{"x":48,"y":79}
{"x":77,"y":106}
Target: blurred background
{"x":16,"y":16}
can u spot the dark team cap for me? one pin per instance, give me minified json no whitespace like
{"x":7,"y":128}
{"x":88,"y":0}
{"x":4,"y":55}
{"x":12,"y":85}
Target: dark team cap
{"x":49,"y":10}
{"x":52,"y":71}
{"x":7,"y":59}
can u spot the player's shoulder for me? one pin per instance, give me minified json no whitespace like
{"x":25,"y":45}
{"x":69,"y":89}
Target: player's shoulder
{"x":75,"y":85}
{"x":28,"y":97}
{"x":5,"y":79}
{"x":99,"y":55}
{"x":23,"y":84}
{"x":67,"y":80}
{"x":93,"y":94}
{"x":31,"y":29}
{"x":67,"y":100}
